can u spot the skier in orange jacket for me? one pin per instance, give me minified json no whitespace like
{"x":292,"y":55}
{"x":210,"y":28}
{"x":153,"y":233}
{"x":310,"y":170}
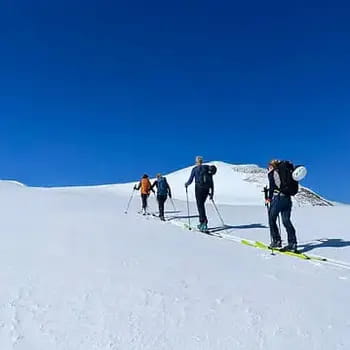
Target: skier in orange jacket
{"x":145,"y":188}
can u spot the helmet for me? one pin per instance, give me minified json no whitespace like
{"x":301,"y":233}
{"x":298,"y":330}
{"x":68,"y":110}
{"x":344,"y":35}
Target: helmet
{"x":299,"y":173}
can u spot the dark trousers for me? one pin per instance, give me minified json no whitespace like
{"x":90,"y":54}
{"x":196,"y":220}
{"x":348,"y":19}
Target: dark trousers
{"x":144,"y":198}
{"x":161,"y":201}
{"x":201,"y":196}
{"x":281,"y":205}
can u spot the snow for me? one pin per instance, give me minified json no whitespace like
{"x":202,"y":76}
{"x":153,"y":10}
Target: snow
{"x":77,"y":273}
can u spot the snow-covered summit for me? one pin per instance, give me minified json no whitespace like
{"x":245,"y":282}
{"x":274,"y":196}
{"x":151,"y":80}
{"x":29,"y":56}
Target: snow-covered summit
{"x":239,"y":185}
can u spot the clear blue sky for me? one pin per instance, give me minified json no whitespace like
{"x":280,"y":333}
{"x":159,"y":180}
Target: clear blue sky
{"x":99,"y":92}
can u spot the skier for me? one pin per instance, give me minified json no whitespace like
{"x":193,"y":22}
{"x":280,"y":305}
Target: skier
{"x":146,"y":188}
{"x":281,"y":188}
{"x":204,"y":187}
{"x":163,"y":191}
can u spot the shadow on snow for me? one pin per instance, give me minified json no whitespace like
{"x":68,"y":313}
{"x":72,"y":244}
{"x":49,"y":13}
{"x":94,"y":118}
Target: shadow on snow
{"x":325,"y":243}
{"x":183,"y":217}
{"x":236,"y":227}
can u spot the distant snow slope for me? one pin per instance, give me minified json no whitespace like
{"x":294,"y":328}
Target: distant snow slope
{"x":76,"y":273}
{"x":236,"y":185}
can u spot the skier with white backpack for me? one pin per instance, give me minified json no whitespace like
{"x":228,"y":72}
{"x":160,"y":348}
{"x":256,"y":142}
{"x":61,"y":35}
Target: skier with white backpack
{"x":283,"y":184}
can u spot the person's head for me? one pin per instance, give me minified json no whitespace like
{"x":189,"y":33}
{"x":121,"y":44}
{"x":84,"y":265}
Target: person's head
{"x":199,"y":160}
{"x":145,"y":176}
{"x":159,"y":176}
{"x":273,"y":164}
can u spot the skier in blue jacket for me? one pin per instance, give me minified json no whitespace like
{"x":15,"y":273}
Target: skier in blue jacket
{"x":163,"y":191}
{"x":202,"y":190}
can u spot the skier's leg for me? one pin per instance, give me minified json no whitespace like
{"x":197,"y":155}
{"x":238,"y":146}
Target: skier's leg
{"x":164,"y":200}
{"x":159,"y":205}
{"x":286,"y":214}
{"x":144,"y":201}
{"x":199,"y":203}
{"x":273,"y":214}
{"x":205,"y":195}
{"x":201,"y":196}
{"x":161,"y":201}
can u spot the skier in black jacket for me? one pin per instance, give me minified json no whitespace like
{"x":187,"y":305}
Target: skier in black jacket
{"x":279,"y":203}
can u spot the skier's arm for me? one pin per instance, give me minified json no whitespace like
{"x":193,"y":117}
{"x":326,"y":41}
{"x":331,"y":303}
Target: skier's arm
{"x":276,"y":177}
{"x":272,"y":185}
{"x":190,"y":180}
{"x":155,"y":184}
{"x":137,"y":187}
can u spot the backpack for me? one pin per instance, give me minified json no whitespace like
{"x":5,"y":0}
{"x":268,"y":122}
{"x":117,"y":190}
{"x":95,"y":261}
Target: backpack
{"x":206,"y":175}
{"x":289,"y":186}
{"x":145,"y":186}
{"x":162,"y":186}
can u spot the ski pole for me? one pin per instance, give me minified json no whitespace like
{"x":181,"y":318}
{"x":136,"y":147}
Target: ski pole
{"x":188,"y":209}
{"x":172,"y":202}
{"x":131,"y":197}
{"x":268,"y":217}
{"x":217,"y":211}
{"x":266,"y":190}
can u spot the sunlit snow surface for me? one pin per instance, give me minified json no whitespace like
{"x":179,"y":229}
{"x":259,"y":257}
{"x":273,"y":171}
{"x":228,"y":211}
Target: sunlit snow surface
{"x":77,"y":273}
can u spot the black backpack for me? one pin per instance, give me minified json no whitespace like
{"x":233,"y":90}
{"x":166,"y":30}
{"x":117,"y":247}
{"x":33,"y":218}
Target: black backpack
{"x":289,"y":186}
{"x":206,"y":175}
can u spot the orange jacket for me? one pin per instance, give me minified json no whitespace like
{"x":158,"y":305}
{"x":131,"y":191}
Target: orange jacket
{"x":145,"y":186}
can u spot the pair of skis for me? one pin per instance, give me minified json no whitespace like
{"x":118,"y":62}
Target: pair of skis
{"x":260,"y":245}
{"x":300,"y":255}
{"x":263,"y":246}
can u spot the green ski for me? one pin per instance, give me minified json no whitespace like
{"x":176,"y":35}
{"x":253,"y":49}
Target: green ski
{"x":297,"y":255}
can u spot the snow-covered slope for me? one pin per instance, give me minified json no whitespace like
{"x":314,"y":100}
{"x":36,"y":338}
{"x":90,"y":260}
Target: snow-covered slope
{"x":236,"y":185}
{"x":76,"y":273}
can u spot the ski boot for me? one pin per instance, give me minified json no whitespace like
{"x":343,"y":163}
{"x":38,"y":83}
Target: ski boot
{"x":290,"y":247}
{"x":275,"y":245}
{"x":203,"y":227}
